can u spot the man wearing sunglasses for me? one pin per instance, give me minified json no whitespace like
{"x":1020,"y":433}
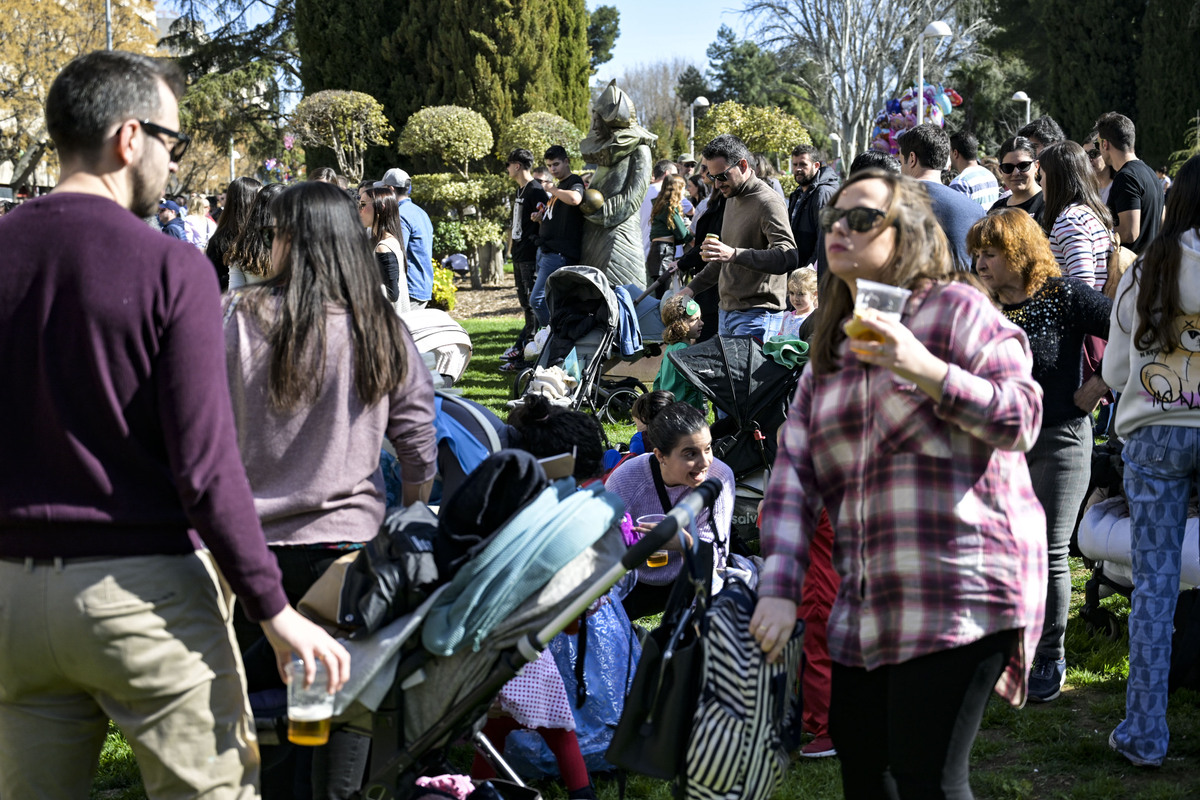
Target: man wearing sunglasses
{"x":924,"y":153}
{"x":1136,"y":198}
{"x":120,"y":464}
{"x":750,"y":261}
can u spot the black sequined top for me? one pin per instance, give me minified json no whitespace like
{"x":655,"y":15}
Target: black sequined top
{"x":1056,"y":319}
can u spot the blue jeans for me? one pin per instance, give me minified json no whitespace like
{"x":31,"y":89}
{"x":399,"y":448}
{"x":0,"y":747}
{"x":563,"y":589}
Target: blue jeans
{"x":752,"y":322}
{"x":1161,"y":464}
{"x":547,"y":263}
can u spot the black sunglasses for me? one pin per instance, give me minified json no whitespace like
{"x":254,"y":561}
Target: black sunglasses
{"x":1094,"y":153}
{"x":268,"y":234}
{"x":182,"y":140}
{"x":723,"y":176}
{"x":859,"y":219}
{"x":1023,"y":166}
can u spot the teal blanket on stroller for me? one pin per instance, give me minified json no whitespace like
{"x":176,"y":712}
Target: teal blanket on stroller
{"x":542,"y":538}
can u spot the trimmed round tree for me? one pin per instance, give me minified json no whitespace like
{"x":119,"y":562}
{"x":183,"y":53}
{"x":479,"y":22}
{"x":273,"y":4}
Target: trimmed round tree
{"x":764,"y":130}
{"x":453,"y":134}
{"x":536,"y":131}
{"x":345,"y":122}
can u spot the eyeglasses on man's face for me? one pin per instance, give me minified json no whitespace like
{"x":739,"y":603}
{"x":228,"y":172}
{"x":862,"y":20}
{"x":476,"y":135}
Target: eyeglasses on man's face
{"x":182,"y":140}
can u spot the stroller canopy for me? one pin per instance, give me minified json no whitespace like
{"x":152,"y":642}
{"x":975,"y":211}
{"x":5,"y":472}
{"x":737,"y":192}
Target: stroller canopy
{"x":733,"y":373}
{"x":567,"y":285}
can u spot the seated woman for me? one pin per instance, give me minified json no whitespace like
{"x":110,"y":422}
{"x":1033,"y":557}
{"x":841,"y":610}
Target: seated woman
{"x":653,"y":483}
{"x":320,"y":370}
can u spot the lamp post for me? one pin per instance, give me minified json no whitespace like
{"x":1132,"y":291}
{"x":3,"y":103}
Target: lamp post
{"x":234,"y":155}
{"x":837,"y":140}
{"x":1021,"y":97}
{"x":108,"y":24}
{"x":934,"y":30}
{"x":699,"y":102}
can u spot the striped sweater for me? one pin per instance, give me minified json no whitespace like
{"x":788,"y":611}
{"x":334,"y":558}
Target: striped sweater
{"x":1080,"y":244}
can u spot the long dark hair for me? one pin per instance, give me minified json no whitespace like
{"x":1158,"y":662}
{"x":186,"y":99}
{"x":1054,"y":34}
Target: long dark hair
{"x":387,"y":212}
{"x":328,"y":262}
{"x":1156,"y":273}
{"x":922,"y":254}
{"x":1067,"y":180}
{"x":249,"y":252}
{"x":239,"y":199}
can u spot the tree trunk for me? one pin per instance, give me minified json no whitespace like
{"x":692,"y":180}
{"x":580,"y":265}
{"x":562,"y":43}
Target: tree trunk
{"x":490,"y":259}
{"x":27,"y":164}
{"x":473,"y":261}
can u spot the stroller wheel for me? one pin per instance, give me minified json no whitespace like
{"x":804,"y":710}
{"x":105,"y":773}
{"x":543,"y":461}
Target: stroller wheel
{"x":1101,"y":621}
{"x":618,"y":407}
{"x":522,"y":383}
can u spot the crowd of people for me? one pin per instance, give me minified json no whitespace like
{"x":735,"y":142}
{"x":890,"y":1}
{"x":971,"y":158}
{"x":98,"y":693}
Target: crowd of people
{"x":202,"y":421}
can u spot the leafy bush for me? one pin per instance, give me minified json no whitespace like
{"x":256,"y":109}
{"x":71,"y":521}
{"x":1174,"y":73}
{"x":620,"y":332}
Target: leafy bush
{"x":478,"y":232}
{"x":444,"y":290}
{"x":764,"y":130}
{"x":455,"y":135}
{"x":447,"y":238}
{"x":536,"y":131}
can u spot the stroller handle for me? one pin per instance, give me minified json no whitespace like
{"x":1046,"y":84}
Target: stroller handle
{"x":704,"y":495}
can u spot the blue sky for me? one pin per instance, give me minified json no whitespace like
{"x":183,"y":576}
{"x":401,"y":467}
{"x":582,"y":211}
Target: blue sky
{"x":657,"y":30}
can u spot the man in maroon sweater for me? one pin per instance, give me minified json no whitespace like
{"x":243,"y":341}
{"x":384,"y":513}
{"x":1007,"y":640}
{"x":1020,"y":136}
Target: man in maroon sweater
{"x":119,"y":464}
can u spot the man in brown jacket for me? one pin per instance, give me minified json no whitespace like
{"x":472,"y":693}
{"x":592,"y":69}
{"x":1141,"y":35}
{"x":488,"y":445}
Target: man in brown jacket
{"x":751,"y":260}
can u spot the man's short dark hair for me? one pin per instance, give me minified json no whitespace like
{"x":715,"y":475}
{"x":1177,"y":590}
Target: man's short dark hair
{"x":807,"y":150}
{"x":324,"y":175}
{"x":556,"y":152}
{"x":521,"y":156}
{"x":728,"y":147}
{"x":541,"y":173}
{"x":1117,"y":130}
{"x":873,"y":159}
{"x":966,"y":144}
{"x":929,"y":143}
{"x":663,"y":167}
{"x":105,"y":87}
{"x":1044,"y":129}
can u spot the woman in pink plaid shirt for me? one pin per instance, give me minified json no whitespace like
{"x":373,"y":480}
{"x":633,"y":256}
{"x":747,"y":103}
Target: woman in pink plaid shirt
{"x":914,"y":444}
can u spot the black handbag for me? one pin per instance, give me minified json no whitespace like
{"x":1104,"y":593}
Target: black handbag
{"x":652,"y":734}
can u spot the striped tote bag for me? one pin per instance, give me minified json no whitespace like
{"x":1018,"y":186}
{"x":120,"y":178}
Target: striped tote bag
{"x":748,"y":717}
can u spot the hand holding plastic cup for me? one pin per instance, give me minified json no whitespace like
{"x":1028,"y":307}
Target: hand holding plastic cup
{"x":646,"y":523}
{"x":309,"y":709}
{"x":879,"y":299}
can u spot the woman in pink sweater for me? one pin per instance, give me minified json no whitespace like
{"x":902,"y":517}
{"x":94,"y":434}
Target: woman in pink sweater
{"x":321,"y":370}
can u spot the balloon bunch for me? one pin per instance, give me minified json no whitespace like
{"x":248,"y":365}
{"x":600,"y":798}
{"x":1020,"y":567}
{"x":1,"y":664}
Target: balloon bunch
{"x":901,"y":114}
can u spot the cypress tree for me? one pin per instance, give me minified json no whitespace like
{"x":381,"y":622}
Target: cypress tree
{"x":1094,"y":55}
{"x":1168,"y":85}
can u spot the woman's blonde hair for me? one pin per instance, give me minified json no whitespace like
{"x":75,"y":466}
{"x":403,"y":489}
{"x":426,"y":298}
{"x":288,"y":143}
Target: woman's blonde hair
{"x":677,"y":311}
{"x":670,"y":197}
{"x":1022,"y":242}
{"x":922,"y":255}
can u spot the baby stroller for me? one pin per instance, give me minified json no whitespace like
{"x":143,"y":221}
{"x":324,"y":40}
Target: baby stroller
{"x":584,"y":319}
{"x":754,"y":391}
{"x":427,"y":678}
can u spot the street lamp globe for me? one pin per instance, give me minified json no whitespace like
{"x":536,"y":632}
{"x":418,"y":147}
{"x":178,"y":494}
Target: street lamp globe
{"x":934,"y":30}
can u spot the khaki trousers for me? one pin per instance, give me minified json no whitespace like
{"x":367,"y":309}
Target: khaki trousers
{"x":145,"y":641}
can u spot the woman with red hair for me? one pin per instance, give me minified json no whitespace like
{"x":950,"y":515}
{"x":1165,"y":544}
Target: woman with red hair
{"x":1015,"y":262}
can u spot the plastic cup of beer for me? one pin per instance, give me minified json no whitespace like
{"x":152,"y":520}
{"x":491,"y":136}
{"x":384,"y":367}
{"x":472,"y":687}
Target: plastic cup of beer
{"x":883,"y":299}
{"x":659,"y":557}
{"x":309,"y":710}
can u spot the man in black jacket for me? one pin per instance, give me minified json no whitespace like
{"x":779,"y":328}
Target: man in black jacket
{"x":816,"y":183}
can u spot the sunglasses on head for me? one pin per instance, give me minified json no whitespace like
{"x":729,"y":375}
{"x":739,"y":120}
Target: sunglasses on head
{"x":182,"y":140}
{"x":859,"y":219}
{"x":1022,"y":166}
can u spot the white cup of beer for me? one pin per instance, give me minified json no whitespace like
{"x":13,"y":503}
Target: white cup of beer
{"x":309,"y":709}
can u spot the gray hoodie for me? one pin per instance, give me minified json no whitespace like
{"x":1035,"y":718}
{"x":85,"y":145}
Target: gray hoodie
{"x":1157,"y":388}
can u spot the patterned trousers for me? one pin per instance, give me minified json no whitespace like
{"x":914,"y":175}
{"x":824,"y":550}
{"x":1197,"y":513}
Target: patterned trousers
{"x":1161,"y":465}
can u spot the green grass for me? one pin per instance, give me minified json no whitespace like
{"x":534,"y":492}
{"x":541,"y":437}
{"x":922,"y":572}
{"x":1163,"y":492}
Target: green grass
{"x":1057,"y":750}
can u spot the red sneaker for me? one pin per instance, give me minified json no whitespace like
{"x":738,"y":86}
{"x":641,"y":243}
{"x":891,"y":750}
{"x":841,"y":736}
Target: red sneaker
{"x":820,"y":747}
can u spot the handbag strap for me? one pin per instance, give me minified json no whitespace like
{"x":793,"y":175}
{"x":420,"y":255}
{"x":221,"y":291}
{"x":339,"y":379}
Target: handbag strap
{"x":659,"y":486}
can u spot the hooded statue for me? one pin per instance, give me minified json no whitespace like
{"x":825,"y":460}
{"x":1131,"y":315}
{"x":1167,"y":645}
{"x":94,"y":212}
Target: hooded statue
{"x":620,"y":147}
